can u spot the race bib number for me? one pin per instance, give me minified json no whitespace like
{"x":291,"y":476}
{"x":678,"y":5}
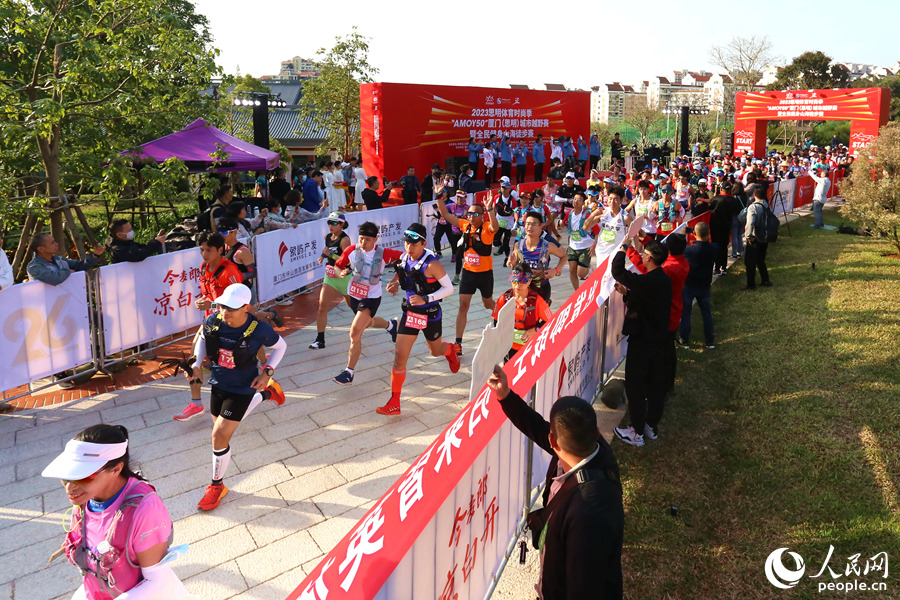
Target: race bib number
{"x":329,"y":271}
{"x":575,"y":236}
{"x":608,"y":236}
{"x":472,"y":260}
{"x":504,"y":223}
{"x":226,"y":358}
{"x":519,"y":337}
{"x":666,"y":226}
{"x":416,"y":321}
{"x":359,"y":290}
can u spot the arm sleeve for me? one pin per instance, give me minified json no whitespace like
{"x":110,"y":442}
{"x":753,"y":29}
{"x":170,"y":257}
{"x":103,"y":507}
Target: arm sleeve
{"x":446,"y":288}
{"x":200,"y":347}
{"x":543,"y":310}
{"x":276,"y":352}
{"x":391,"y":254}
{"x":159,"y":581}
{"x":501,"y":301}
{"x":527,"y":420}
{"x":344,"y":261}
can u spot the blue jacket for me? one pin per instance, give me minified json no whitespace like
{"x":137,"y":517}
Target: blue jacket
{"x":595,"y":146}
{"x":538,"y":152}
{"x":521,"y":155}
{"x":582,"y":150}
{"x":568,"y":149}
{"x":311,"y":199}
{"x":505,"y":153}
{"x":474,"y":152}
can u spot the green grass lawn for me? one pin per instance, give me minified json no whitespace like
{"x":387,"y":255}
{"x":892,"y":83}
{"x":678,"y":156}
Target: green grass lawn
{"x":785,"y":435}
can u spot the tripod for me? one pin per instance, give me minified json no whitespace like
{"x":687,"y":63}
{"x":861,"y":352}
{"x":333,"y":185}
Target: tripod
{"x":776,"y":196}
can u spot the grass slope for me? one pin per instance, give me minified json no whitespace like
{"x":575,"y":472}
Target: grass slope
{"x":785,"y":435}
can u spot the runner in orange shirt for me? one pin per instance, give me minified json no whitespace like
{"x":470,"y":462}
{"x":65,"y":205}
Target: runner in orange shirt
{"x":478,"y":267}
{"x":216,"y":274}
{"x":532,"y":312}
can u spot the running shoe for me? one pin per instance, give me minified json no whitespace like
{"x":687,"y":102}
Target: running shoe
{"x":456,"y":280}
{"x":317,"y":345}
{"x":276,"y":393}
{"x":453,"y":359}
{"x":498,"y":251}
{"x":190,"y":411}
{"x":439,"y":254}
{"x":453,"y":257}
{"x":391,"y":409}
{"x":458,"y":348}
{"x":629,"y":436}
{"x":650,"y":432}
{"x":392,"y":329}
{"x":345,"y":378}
{"x":212,"y":497}
{"x":682,"y":344}
{"x":277,"y":319}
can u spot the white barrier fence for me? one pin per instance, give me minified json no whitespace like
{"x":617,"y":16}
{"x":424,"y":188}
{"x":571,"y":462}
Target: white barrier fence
{"x":46,"y":329}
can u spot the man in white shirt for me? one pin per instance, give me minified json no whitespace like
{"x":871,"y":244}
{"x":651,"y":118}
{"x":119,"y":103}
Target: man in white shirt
{"x":359,"y":178}
{"x":820,"y":196}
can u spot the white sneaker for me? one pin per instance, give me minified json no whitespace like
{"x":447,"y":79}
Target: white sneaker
{"x":650,"y":432}
{"x":629,"y":436}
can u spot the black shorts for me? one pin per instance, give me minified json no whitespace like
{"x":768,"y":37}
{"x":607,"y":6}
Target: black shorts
{"x":228,"y":405}
{"x":371,"y":303}
{"x":432,"y":330}
{"x":471,"y":282}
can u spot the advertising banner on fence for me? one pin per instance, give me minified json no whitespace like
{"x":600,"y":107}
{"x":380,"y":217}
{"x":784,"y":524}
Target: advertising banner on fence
{"x":391,"y":221}
{"x":442,"y":518}
{"x":147,"y":300}
{"x":408,"y":125}
{"x":783,"y":201}
{"x":46,"y":329}
{"x":804,"y":188}
{"x":287,"y":259}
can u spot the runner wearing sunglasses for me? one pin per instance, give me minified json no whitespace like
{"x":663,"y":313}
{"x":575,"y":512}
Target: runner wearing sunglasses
{"x":532,"y":312}
{"x":120,"y":530}
{"x":364,"y":263}
{"x":421,"y":276}
{"x":336,"y":241}
{"x":478,"y":268}
{"x":232,"y":339}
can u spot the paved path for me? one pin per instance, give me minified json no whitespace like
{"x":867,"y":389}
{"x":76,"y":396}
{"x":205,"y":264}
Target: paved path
{"x":301,"y":475}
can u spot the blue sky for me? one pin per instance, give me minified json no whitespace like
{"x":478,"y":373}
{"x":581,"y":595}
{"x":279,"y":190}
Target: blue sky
{"x":587,"y":42}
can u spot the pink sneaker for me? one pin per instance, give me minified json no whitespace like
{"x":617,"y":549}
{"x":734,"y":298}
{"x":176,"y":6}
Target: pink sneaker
{"x":190,"y":411}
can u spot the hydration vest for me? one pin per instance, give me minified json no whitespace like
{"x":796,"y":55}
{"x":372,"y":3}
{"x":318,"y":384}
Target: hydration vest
{"x":473,"y":240}
{"x":117,"y":537}
{"x":242,"y":268}
{"x":334,"y":248}
{"x":243,"y":358}
{"x":530,"y":319}
{"x":358,"y":261}
{"x":581,"y":229}
{"x":539,"y":258}
{"x":412,"y":278}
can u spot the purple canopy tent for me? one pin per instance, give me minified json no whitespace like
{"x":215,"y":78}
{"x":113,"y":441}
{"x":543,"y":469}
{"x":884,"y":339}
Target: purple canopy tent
{"x":195,"y":145}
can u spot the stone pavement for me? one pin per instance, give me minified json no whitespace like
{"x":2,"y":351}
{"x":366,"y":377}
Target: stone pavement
{"x":301,"y":475}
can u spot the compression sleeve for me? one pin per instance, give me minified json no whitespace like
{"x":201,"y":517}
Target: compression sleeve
{"x":276,"y":352}
{"x":159,"y":582}
{"x":250,"y":273}
{"x":200,"y":348}
{"x":446,"y":289}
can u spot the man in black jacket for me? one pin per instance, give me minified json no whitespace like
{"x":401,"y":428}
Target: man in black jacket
{"x":123,"y":248}
{"x":700,"y":256}
{"x":580,"y":528}
{"x":372,"y":198}
{"x":648,"y":300}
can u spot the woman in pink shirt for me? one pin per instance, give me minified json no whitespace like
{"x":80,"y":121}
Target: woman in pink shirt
{"x":120,"y":531}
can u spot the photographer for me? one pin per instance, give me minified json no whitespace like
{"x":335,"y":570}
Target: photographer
{"x":123,"y":248}
{"x":372,"y":199}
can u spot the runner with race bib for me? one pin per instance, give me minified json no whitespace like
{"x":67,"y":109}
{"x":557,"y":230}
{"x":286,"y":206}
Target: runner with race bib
{"x":532,"y":312}
{"x":336,"y":241}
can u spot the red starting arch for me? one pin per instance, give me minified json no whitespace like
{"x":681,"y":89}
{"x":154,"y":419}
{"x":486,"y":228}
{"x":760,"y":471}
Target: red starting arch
{"x":867,"y":109}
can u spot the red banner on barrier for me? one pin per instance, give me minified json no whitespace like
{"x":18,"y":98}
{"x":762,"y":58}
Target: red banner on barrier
{"x":358,"y":566}
{"x":408,"y":125}
{"x":804,"y":190}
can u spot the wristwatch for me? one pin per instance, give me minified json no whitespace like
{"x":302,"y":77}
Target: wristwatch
{"x":268,"y":371}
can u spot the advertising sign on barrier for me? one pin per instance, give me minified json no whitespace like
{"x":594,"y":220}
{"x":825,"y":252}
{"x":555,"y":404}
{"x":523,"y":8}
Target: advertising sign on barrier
{"x":448,"y":518}
{"x":391,"y":221}
{"x":46,"y":329}
{"x":286,"y":259}
{"x":783,"y":201}
{"x":147,"y":300}
{"x":804,"y":190}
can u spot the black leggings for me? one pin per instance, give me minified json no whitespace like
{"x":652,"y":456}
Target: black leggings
{"x":501,"y":240}
{"x":440,"y":231}
{"x":720,"y":237}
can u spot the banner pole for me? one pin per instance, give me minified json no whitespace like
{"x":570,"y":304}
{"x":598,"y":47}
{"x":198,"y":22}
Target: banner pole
{"x":603,"y":338}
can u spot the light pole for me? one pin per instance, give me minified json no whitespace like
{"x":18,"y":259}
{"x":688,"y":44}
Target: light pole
{"x":260,"y":103}
{"x":682,"y":126}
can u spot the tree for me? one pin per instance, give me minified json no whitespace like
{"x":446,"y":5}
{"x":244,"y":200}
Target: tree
{"x":333,"y":97}
{"x":80,"y":81}
{"x":641,"y":118}
{"x":811,"y":71}
{"x":744,"y":59}
{"x":891,"y":83}
{"x":873,"y":193}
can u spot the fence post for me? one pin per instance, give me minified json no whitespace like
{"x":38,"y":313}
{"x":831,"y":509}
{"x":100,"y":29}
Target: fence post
{"x":603,"y":341}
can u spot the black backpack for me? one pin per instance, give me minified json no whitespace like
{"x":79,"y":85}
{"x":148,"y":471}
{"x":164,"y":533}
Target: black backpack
{"x":772,"y":225}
